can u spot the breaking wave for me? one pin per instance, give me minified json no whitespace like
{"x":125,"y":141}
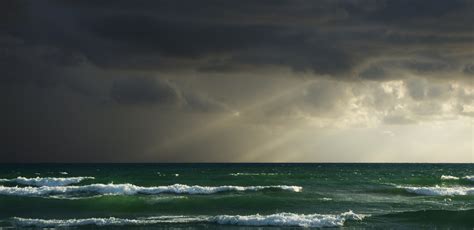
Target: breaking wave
{"x":280,"y":219}
{"x":47,"y":181}
{"x":471,"y":178}
{"x":253,"y":174}
{"x":289,"y":219}
{"x":43,"y":223}
{"x":130,"y":189}
{"x":439,"y":191}
{"x":448,"y":177}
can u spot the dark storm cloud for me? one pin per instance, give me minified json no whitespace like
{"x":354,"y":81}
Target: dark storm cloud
{"x":373,"y":73}
{"x":142,"y":90}
{"x":469,"y":69}
{"x":78,"y":77}
{"x":153,"y":91}
{"x":327,"y":37}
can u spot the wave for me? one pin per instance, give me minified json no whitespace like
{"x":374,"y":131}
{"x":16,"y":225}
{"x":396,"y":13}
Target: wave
{"x":289,"y":219}
{"x":449,"y":177}
{"x":253,"y":174}
{"x":279,"y":219}
{"x":47,"y":181}
{"x":448,"y":217}
{"x":110,"y":221}
{"x":130,"y":189}
{"x":439,"y":191}
{"x":471,"y":178}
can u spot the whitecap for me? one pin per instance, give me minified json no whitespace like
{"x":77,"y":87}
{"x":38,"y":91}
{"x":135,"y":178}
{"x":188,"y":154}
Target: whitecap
{"x":449,"y":177}
{"x":253,"y":174}
{"x":440,"y":191}
{"x":279,"y":219}
{"x":110,"y":221}
{"x":47,"y":181}
{"x":289,"y":219}
{"x":471,"y":178}
{"x":130,"y":189}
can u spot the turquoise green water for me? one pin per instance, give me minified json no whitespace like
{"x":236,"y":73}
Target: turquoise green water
{"x":231,"y":195}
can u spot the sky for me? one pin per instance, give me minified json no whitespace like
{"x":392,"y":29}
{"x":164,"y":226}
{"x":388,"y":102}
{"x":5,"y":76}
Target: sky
{"x":237,"y":81}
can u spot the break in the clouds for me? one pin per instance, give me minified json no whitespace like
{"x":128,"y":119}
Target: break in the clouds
{"x":352,"y":80}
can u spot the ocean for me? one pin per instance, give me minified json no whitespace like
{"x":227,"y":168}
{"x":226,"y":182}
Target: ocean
{"x":237,"y":196}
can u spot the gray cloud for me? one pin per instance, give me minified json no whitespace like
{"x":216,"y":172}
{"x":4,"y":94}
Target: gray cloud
{"x":143,"y":90}
{"x":469,"y":69}
{"x":224,"y":78}
{"x":398,"y":120}
{"x":328,"y":37}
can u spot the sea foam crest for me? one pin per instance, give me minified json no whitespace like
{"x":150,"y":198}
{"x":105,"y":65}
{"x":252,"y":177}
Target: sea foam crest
{"x":289,"y":219}
{"x":47,"y":181}
{"x":44,"y":223}
{"x":253,"y":174}
{"x":440,"y":191}
{"x":471,"y":178}
{"x":449,"y":177}
{"x":130,"y":189}
{"x":279,"y":219}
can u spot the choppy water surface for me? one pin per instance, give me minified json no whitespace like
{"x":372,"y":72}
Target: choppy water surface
{"x":237,"y":196}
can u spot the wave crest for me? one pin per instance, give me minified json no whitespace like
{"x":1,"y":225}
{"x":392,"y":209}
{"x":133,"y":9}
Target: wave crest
{"x":449,"y":177}
{"x":253,"y":174}
{"x":289,"y":219}
{"x":110,"y":221}
{"x":439,"y":191}
{"x":47,"y":181}
{"x":279,"y":219}
{"x":130,"y":189}
{"x":471,"y":178}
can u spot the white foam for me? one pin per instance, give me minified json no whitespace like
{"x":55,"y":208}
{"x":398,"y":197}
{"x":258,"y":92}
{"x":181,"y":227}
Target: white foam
{"x":63,"y":173}
{"x":279,"y":219}
{"x":47,"y":181}
{"x":130,"y":189}
{"x":440,"y":191}
{"x":43,"y":223}
{"x":289,"y":219}
{"x":448,"y":177}
{"x":471,"y":178}
{"x":253,"y":174}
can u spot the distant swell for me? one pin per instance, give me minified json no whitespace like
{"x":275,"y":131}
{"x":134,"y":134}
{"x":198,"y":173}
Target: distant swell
{"x":47,"y":181}
{"x":449,"y":217}
{"x":439,"y":191}
{"x":280,"y":219}
{"x":130,"y":189}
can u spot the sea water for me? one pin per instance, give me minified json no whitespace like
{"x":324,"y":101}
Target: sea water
{"x":237,"y":196}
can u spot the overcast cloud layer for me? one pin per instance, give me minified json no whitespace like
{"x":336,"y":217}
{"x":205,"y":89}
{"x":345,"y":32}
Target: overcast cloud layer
{"x":211,"y":80}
